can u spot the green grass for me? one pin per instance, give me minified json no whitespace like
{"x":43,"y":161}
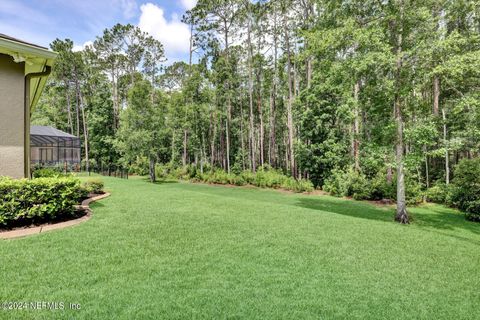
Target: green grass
{"x":181,"y":251}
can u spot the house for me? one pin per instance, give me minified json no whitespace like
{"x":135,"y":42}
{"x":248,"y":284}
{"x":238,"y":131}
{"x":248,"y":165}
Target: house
{"x":24,"y":68}
{"x":53,"y":147}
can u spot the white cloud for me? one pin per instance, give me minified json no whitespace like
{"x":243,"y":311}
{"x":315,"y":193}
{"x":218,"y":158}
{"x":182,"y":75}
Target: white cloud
{"x":173,"y":34}
{"x":129,"y":8}
{"x":188,"y":4}
{"x":81,"y":47}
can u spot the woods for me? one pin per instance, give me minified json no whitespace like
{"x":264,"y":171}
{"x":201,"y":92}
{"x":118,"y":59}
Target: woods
{"x":381,"y":93}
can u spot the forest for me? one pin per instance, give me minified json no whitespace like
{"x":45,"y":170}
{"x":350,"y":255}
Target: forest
{"x":374,"y":99}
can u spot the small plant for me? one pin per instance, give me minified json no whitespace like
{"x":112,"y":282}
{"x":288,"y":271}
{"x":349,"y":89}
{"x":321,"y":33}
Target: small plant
{"x":93,"y":185}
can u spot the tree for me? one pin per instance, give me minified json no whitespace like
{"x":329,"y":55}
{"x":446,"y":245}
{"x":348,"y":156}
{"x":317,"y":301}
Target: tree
{"x":142,"y":126}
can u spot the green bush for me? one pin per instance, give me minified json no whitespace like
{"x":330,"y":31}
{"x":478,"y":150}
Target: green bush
{"x":380,"y":188}
{"x":354,"y":184}
{"x":248,"y":177}
{"x":265,"y":177}
{"x":413,"y":190}
{"x":47,"y":173}
{"x":93,"y":185}
{"x":23,"y":202}
{"x":297,"y":185}
{"x":349,"y":184}
{"x":140,"y":166}
{"x":220,"y":177}
{"x":465,"y":191}
{"x":336,"y":184}
{"x":358,"y":186}
{"x":437,"y":194}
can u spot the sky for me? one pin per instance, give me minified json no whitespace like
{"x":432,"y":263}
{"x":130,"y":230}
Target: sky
{"x":42,"y":21}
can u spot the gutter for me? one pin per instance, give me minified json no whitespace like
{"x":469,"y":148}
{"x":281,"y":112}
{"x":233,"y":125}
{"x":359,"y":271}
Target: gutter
{"x":26,"y":115}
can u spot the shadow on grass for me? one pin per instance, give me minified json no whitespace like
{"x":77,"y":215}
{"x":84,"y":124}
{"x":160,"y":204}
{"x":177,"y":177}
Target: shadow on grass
{"x":159,"y":181}
{"x":355,"y":209}
{"x":426,"y":216}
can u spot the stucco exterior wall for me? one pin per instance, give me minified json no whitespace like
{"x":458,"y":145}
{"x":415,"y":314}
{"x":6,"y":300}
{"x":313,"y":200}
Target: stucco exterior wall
{"x":11,"y":117}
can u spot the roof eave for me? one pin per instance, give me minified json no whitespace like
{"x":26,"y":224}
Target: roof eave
{"x":29,"y":51}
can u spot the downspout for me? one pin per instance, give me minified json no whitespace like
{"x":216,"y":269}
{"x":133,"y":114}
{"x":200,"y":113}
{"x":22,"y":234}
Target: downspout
{"x":26,"y":117}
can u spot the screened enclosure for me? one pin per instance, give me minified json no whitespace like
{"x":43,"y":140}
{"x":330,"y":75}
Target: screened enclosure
{"x":52,"y":147}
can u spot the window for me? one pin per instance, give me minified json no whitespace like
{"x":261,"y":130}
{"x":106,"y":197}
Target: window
{"x":46,"y":154}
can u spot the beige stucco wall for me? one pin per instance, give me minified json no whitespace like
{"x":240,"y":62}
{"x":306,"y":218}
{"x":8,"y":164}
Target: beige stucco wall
{"x":11,"y":117}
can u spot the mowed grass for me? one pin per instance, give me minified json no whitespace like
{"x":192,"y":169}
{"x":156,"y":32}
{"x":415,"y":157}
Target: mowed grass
{"x":189,"y":251}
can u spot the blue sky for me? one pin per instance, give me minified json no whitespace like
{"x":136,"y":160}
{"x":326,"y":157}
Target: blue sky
{"x":41,"y":21}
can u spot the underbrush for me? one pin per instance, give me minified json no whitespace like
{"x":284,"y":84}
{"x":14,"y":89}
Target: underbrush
{"x":462,"y":193}
{"x":358,"y":186}
{"x":263,"y":178}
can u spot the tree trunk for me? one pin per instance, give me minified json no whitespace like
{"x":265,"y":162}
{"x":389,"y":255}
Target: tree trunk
{"x":69,"y":107}
{"x":436,"y":95}
{"x":271,"y":137}
{"x":262,"y":131}
{"x":212,"y":133}
{"x":251,"y":134}
{"x":290,"y":102}
{"x":151,"y":169}
{"x":356,"y":129}
{"x":85,"y":134}
{"x":115,"y":100}
{"x":401,"y":214}
{"x":77,"y":105}
{"x":273,"y":96}
{"x":185,"y":140}
{"x":172,"y":158}
{"x":229,"y":104}
{"x":445,"y":141}
{"x":427,"y":178}
{"x":227,"y":139}
{"x":242,"y":138}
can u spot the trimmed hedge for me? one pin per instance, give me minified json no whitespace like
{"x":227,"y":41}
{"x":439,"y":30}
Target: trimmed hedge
{"x":23,"y":202}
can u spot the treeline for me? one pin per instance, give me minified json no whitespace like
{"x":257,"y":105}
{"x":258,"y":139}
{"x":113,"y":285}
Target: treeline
{"x":302,"y":86}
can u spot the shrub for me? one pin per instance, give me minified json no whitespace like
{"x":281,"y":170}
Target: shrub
{"x":265,"y":177}
{"x":358,"y":186}
{"x":140,"y":166}
{"x":93,"y":186}
{"x":437,"y":194}
{"x":24,"y":201}
{"x":220,"y":177}
{"x":413,"y":190}
{"x":47,"y":173}
{"x":297,"y":185}
{"x":336,"y":184}
{"x":380,"y":188}
{"x":465,"y":192}
{"x":248,"y":177}
{"x":348,"y":183}
{"x":354,"y":184}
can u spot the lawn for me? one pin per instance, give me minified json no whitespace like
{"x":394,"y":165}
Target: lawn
{"x":181,"y":251}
